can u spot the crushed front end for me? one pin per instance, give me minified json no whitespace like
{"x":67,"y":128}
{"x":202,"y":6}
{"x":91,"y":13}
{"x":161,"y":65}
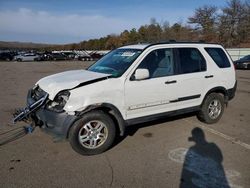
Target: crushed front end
{"x":47,"y":114}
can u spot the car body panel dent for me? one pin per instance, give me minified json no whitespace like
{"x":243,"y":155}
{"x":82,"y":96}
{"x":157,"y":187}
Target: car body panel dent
{"x":67,"y":80}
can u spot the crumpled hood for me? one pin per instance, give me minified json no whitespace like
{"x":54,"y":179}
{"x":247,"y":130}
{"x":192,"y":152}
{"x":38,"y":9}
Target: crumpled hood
{"x":67,"y":80}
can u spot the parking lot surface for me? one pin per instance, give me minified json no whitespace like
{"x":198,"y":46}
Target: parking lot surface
{"x":173,"y":152}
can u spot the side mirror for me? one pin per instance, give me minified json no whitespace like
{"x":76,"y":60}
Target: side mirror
{"x":141,"y":74}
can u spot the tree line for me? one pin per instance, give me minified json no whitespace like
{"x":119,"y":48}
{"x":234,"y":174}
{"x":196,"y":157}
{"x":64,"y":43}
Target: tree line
{"x":229,"y":26}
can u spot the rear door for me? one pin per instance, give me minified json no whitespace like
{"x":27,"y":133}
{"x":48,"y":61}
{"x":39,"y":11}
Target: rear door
{"x":190,"y":77}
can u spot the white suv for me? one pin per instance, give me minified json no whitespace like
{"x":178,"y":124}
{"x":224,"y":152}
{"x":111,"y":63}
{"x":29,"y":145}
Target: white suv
{"x":130,"y":85}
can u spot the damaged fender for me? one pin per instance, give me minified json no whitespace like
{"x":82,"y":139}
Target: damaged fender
{"x":111,"y":110}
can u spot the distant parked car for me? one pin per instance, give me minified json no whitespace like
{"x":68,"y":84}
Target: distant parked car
{"x":46,"y":56}
{"x":58,"y":56}
{"x":6,"y":56}
{"x":85,"y":58}
{"x":69,"y":55}
{"x":96,"y":56}
{"x":27,"y":57}
{"x":243,"y":63}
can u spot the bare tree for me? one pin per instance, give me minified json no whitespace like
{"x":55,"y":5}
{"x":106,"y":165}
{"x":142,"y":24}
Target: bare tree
{"x":244,"y":24}
{"x":230,"y":23}
{"x":205,"y":19}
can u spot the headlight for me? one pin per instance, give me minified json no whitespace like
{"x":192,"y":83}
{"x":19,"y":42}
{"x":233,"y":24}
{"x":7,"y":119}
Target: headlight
{"x":59,"y":102}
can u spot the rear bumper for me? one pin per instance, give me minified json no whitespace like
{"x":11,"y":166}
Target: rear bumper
{"x":56,"y":124}
{"x":231,"y":92}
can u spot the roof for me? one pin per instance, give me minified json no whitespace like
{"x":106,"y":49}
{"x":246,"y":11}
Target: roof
{"x":171,"y":42}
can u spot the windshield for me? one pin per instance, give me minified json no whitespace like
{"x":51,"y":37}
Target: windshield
{"x":116,"y":62}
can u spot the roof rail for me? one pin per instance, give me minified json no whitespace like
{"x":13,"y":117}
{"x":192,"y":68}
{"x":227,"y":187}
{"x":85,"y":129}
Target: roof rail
{"x":174,"y":41}
{"x":171,"y":41}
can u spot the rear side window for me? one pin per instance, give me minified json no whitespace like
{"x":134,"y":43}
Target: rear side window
{"x":219,"y":57}
{"x":190,"y":60}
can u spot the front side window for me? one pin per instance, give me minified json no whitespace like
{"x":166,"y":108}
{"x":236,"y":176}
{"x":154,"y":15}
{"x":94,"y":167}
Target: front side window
{"x":116,"y":62}
{"x":219,"y":57}
{"x":190,"y":60}
{"x":159,"y":63}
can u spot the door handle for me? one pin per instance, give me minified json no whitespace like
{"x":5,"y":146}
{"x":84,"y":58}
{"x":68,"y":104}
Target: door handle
{"x":171,"y":82}
{"x":209,"y":76}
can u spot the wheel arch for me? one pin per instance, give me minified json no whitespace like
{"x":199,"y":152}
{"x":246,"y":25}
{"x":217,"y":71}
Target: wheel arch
{"x":109,"y":109}
{"x":220,"y":89}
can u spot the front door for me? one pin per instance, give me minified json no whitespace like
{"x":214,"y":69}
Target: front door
{"x":152,"y":95}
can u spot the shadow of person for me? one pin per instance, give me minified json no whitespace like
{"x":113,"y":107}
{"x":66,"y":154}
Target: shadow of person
{"x":203,"y":164}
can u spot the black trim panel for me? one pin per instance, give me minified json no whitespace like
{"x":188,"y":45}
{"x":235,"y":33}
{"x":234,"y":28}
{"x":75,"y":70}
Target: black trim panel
{"x":186,"y":98}
{"x":231,"y":92}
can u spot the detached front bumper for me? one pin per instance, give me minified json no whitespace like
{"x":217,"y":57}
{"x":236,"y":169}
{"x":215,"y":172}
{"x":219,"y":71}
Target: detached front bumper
{"x":51,"y":122}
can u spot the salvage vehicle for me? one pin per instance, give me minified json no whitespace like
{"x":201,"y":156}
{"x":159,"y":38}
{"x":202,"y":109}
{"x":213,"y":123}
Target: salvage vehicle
{"x":243,"y":63}
{"x":131,"y":85}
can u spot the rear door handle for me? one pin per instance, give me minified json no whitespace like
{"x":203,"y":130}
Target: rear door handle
{"x":171,"y":82}
{"x":209,"y":76}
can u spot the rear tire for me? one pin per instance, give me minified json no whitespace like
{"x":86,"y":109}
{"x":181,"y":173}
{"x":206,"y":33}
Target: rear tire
{"x":212,"y":108}
{"x":94,"y":133}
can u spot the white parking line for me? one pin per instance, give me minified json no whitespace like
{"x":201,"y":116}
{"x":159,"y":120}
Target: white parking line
{"x":233,"y":140}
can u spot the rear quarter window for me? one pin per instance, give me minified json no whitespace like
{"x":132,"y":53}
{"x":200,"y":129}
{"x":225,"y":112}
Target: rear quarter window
{"x":219,"y":57}
{"x":190,"y":60}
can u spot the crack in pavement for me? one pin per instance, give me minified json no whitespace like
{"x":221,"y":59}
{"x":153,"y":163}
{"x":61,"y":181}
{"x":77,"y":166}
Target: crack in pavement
{"x":112,"y":171}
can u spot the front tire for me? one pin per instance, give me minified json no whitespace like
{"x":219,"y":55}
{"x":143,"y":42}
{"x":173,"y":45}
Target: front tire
{"x":94,"y":133}
{"x":212,"y":108}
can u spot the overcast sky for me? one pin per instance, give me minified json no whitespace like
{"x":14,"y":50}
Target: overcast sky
{"x":66,"y":21}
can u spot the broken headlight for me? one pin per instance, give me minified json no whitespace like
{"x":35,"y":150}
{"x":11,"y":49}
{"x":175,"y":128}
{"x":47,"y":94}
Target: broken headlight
{"x":59,"y":101}
{"x":37,"y":93}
